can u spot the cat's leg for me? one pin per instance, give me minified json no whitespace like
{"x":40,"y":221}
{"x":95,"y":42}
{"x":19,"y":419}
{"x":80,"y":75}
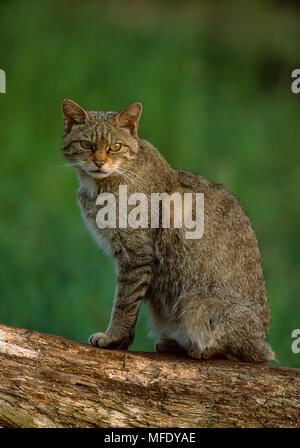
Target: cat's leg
{"x":196,"y":353}
{"x":169,"y":345}
{"x":132,"y":285}
{"x":168,"y":339}
{"x":209,"y":353}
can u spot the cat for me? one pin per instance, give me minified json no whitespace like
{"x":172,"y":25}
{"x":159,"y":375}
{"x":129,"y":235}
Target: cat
{"x":207,"y":296}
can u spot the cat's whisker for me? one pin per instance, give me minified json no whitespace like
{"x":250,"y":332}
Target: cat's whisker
{"x":67,"y":165}
{"x":127,"y":175}
{"x":128,"y":178}
{"x":128,"y":172}
{"x":124,"y":177}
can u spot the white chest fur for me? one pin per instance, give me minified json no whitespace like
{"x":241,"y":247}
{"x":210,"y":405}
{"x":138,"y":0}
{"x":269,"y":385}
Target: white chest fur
{"x":87,"y":196}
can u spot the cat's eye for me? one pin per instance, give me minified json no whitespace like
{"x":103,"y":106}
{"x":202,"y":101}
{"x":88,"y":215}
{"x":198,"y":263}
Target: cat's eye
{"x":85,"y":144}
{"x":115,"y":147}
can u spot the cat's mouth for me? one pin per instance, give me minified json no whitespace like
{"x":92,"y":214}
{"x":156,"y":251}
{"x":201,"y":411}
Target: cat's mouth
{"x":99,"y":172}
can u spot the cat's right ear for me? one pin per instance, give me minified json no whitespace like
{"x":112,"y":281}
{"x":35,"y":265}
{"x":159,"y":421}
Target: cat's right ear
{"x":73,"y":114}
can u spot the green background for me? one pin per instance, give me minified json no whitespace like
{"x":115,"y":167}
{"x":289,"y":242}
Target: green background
{"x":215,"y":82}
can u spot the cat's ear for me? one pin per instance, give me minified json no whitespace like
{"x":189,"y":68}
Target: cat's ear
{"x":73,"y":114}
{"x":129,"y":118}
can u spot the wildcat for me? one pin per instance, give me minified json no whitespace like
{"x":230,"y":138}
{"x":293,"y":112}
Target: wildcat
{"x":207,"y":296}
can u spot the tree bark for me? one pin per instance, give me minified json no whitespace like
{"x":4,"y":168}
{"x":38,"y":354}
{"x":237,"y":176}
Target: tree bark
{"x":48,"y":381}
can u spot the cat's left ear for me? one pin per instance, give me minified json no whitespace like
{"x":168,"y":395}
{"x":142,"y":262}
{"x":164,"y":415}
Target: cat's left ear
{"x":129,"y":118}
{"x":73,"y":114}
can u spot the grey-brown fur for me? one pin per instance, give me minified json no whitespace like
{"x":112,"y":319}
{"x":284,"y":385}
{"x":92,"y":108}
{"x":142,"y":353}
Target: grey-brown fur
{"x":207,"y":296}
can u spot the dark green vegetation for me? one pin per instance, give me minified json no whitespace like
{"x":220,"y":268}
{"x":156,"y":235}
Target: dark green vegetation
{"x":215,"y":85}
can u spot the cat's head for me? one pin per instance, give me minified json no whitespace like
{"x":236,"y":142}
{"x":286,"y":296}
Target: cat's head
{"x":100,"y":143}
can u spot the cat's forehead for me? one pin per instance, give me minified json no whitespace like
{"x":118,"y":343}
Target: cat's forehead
{"x":100,"y":124}
{"x":101,"y":115}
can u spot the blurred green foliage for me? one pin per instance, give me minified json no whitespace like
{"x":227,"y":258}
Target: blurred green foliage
{"x":214,"y":79}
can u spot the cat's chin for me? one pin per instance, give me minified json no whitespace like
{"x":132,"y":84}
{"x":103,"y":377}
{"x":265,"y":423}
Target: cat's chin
{"x":98,"y":174}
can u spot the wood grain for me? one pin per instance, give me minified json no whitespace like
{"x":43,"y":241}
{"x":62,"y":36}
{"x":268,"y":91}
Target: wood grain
{"x":48,"y":381}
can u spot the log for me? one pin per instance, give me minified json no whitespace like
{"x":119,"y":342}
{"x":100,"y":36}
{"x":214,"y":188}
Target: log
{"x":49,"y":381}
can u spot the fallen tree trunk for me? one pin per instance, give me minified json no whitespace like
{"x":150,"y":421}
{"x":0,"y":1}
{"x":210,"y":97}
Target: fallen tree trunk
{"x":48,"y":381}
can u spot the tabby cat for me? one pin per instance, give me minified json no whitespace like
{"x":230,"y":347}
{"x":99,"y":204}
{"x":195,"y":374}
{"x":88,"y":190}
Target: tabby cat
{"x":207,"y":296}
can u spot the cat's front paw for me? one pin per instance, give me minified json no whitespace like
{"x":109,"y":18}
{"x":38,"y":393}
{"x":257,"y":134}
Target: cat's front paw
{"x":99,"y":340}
{"x":104,"y":340}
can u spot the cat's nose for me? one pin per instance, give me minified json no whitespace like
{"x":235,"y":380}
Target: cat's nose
{"x":99,"y":163}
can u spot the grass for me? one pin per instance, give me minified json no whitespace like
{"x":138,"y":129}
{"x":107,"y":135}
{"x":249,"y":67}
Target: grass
{"x":215,"y":85}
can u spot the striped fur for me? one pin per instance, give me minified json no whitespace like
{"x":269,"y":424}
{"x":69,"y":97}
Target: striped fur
{"x":207,"y":297}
